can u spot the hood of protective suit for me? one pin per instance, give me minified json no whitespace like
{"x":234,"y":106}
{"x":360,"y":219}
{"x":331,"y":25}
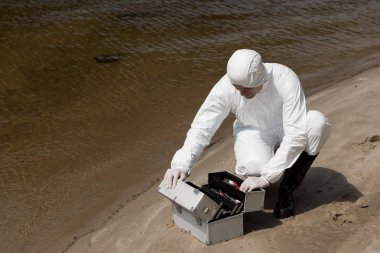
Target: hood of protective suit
{"x":245,"y":68}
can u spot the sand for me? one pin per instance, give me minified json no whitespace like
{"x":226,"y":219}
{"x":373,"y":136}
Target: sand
{"x":337,"y":206}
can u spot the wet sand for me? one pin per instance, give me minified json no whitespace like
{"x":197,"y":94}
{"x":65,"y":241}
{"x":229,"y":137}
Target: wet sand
{"x":337,"y":206}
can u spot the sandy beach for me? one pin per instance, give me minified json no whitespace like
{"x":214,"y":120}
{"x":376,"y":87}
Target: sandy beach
{"x":337,"y":206}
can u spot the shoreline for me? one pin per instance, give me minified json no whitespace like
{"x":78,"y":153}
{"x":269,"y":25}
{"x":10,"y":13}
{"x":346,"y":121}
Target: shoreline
{"x":198,"y":175}
{"x":366,"y":63}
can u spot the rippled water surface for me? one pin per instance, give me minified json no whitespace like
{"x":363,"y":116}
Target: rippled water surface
{"x":75,"y":133}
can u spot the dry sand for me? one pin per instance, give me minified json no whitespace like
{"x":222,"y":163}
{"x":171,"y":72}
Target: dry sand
{"x":337,"y":206}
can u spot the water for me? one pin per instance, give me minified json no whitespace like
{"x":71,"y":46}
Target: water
{"x":76,"y":133}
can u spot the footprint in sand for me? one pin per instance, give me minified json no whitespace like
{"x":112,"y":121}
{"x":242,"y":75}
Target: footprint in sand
{"x":368,"y":144}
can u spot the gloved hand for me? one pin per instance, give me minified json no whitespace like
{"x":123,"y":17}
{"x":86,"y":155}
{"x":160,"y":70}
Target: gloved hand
{"x":253,"y":183}
{"x":172,"y":176}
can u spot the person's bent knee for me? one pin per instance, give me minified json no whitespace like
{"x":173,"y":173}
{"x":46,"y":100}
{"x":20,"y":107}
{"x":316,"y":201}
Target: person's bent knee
{"x":318,"y":129}
{"x":316,"y":122}
{"x":250,"y":168}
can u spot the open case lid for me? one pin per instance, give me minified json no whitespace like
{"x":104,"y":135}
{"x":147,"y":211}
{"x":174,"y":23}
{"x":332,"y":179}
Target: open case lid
{"x":192,"y":199}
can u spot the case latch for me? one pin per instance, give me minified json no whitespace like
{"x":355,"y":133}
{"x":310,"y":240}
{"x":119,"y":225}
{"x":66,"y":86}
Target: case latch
{"x":199,"y":221}
{"x":178,"y":207}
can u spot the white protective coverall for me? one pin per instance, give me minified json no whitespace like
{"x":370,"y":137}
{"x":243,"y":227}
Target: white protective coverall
{"x":271,"y":130}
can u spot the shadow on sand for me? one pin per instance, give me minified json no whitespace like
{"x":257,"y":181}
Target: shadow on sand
{"x":321,"y":186}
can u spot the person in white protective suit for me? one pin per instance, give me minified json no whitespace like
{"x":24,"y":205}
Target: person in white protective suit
{"x":274,"y":135}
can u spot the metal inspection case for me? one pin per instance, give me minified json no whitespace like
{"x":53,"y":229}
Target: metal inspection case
{"x":213,"y":212}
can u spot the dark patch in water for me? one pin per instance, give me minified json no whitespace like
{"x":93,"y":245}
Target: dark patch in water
{"x":107,"y":58}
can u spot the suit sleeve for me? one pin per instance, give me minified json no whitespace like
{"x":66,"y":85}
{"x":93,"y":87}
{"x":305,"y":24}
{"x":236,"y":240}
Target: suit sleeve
{"x":294,"y":125}
{"x":211,"y":114}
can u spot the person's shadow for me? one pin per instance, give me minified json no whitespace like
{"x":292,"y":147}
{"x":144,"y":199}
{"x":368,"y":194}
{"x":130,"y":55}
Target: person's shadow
{"x":320,"y":186}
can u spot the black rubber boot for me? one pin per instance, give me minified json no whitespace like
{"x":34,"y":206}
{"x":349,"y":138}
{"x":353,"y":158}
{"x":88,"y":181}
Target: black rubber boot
{"x":292,"y":179}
